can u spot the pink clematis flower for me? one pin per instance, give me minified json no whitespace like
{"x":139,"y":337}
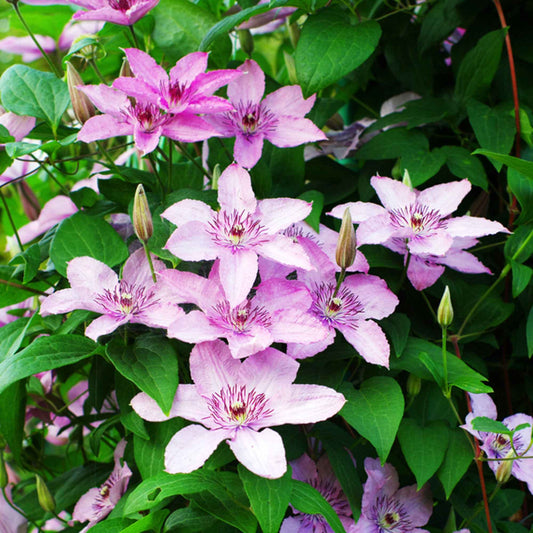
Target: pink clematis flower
{"x":360,"y":299}
{"x":278,"y":312}
{"x":242,"y":230}
{"x":386,"y":507}
{"x":18,"y":125}
{"x":98,"y":502}
{"x":186,"y":88}
{"x":238,"y":402}
{"x":498,"y":446}
{"x":278,"y":118}
{"x":11,"y":521}
{"x":124,"y":12}
{"x":145,"y":121}
{"x":320,"y":476}
{"x":94,"y":286}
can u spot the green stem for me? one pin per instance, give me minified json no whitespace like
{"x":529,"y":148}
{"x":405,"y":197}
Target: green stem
{"x":149,"y":257}
{"x":446,"y":390}
{"x":424,"y":296}
{"x":342,"y":275}
{"x":404,"y":272}
{"x":153,"y":160}
{"x":97,"y":71}
{"x":65,"y":191}
{"x":22,"y":287}
{"x":193,"y":161}
{"x":132,"y":31}
{"x":54,"y":69}
{"x":169,"y":162}
{"x":11,"y":221}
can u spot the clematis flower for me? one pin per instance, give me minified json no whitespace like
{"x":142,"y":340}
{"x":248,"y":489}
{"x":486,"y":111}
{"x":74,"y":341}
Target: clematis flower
{"x":386,"y":507}
{"x":238,"y":402}
{"x":98,"y":502}
{"x":360,"y":299}
{"x":278,"y":312}
{"x":278,"y":118}
{"x":124,"y":12}
{"x":186,"y":88}
{"x":498,"y":446}
{"x":96,"y":287}
{"x":145,"y":121}
{"x":11,"y":521}
{"x":320,"y":476}
{"x":242,"y":230}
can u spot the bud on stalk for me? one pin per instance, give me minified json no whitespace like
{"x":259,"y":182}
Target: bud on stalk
{"x":46,"y":500}
{"x":82,"y":106}
{"x":414,"y":385}
{"x":125,"y":70}
{"x":503,"y":472}
{"x":346,"y":245}
{"x":445,"y":310}
{"x":246,"y":41}
{"x":142,"y":218}
{"x":3,"y":471}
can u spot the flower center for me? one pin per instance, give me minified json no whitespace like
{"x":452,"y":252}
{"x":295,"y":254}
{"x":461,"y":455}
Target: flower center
{"x":120,"y":5}
{"x":389,"y":520}
{"x":343,"y":308}
{"x":390,"y":516}
{"x":240,"y":319}
{"x":148,"y":116}
{"x":125,"y":299}
{"x":234,"y":407}
{"x":418,"y":218}
{"x":237,"y":230}
{"x":249,"y":119}
{"x":175,"y":92}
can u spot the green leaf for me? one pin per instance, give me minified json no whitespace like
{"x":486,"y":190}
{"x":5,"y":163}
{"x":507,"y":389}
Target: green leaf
{"x":522,"y":187}
{"x":464,"y":165}
{"x":31,"y":259}
{"x":152,"y":522}
{"x":318,"y":174}
{"x":459,"y":456}
{"x":181,"y":25}
{"x":422,"y":165}
{"x":5,"y":136}
{"x":12,"y":292}
{"x":13,"y":409}
{"x":83,"y":235}
{"x":192,"y":520}
{"x":439,"y":23}
{"x":375,"y":411}
{"x":45,"y":353}
{"x":494,"y":128}
{"x":529,"y":333}
{"x":397,"y":328}
{"x":459,"y":373}
{"x":112,"y":525}
{"x":26,"y":91}
{"x":330,"y":47}
{"x":483,"y":423}
{"x":151,"y":363}
{"x":521,"y":278}
{"x":269,"y":498}
{"x":519,"y":245}
{"x":520,"y":165}
{"x":423,"y":447}
{"x":318,"y":204}
{"x":309,"y":501}
{"x":12,"y":335}
{"x":479,"y":66}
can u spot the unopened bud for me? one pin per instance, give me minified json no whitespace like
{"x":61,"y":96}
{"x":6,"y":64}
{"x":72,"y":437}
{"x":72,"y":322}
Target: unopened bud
{"x":46,"y":500}
{"x":142,"y":218}
{"x":346,"y":245}
{"x":125,"y":69}
{"x":503,"y":472}
{"x":414,"y":384}
{"x":406,"y":179}
{"x":445,"y":310}
{"x":246,"y":41}
{"x":294,"y":32}
{"x":217,"y":171}
{"x":3,"y":471}
{"x":30,"y":203}
{"x":82,"y":106}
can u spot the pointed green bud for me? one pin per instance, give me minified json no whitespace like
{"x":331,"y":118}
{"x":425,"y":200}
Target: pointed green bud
{"x":414,"y":384}
{"x":46,"y":500}
{"x":406,"y":180}
{"x":217,"y":171}
{"x":82,"y":106}
{"x":346,"y":245}
{"x":294,"y":32}
{"x":3,"y":471}
{"x":503,"y":472}
{"x":125,"y":69}
{"x":246,"y":41}
{"x":142,"y":218}
{"x":445,"y":310}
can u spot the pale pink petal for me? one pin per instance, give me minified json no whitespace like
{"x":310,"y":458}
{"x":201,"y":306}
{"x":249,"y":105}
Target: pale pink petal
{"x":473,"y":227}
{"x":68,"y":300}
{"x":194,"y":327}
{"x":186,"y":287}
{"x":278,"y":295}
{"x":248,"y":88}
{"x":103,"y":326}
{"x":106,"y":99}
{"x":209,"y":82}
{"x":106,"y":13}
{"x":187,"y":211}
{"x":91,"y":274}
{"x":381,"y":480}
{"x":192,"y":242}
{"x":417,"y":503}
{"x":137,"y":88}
{"x":145,"y":67}
{"x":190,"y":448}
{"x":188,"y":68}
{"x":285,"y":251}
{"x":303,"y":351}
{"x":26,"y":47}
{"x":464,"y":262}
{"x":235,"y":190}
{"x":103,"y":127}
{"x":423,"y":274}
{"x":237,"y":274}
{"x":393,"y":193}
{"x":159,"y":314}
{"x":375,"y":230}
{"x":18,"y":126}
{"x":435,"y":244}
{"x":261,"y":452}
{"x":359,"y":211}
{"x":279,"y":213}
{"x":209,"y":104}
{"x":483,"y":405}
{"x":369,"y":340}
{"x":137,"y":271}
{"x":446,"y":197}
{"x":292,"y":131}
{"x":146,"y":142}
{"x":245,"y":344}
{"x":187,"y":127}
{"x":377,"y":299}
{"x":248,"y":148}
{"x":296,"y":326}
{"x":289,"y":101}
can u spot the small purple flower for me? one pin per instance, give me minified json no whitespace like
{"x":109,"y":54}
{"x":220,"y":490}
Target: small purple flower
{"x":387,"y":508}
{"x":98,"y":502}
{"x":186,"y":88}
{"x":242,"y":230}
{"x":124,"y":12}
{"x":320,"y":476}
{"x":498,"y":446}
{"x":238,"y":402}
{"x":278,"y":118}
{"x":96,"y":287}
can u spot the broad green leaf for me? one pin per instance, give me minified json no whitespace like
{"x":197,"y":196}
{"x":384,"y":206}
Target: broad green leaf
{"x":423,"y":447}
{"x":269,"y":498}
{"x":459,"y":456}
{"x":464,"y":165}
{"x":151,"y":363}
{"x":318,"y":204}
{"x":31,"y":259}
{"x":181,"y":25}
{"x":152,"y":522}
{"x":529,"y":333}
{"x":422,"y":165}
{"x":397,"y":328}
{"x":12,"y":335}
{"x":479,"y":66}
{"x":318,"y":174}
{"x":520,"y":165}
{"x":112,"y":525}
{"x":83,"y":235}
{"x":5,"y":136}
{"x":309,"y":501}
{"x":483,"y":423}
{"x":439,"y":23}
{"x":192,"y":520}
{"x":494,"y":128}
{"x":375,"y":411}
{"x":13,"y":291}
{"x":521,"y":278}
{"x":519,"y":245}
{"x":26,"y":91}
{"x":45,"y":353}
{"x":330,"y":47}
{"x":522,"y":187}
{"x":13,"y":409}
{"x":20,"y":148}
{"x":459,"y":373}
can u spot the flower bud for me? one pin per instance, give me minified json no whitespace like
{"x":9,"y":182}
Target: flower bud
{"x":142,"y":218}
{"x":125,"y":69}
{"x":346,"y":245}
{"x":414,"y":384}
{"x":503,"y":472}
{"x":406,"y":179}
{"x":445,"y":310}
{"x":294,"y":33}
{"x":46,"y":500}
{"x":246,"y":41}
{"x":30,"y":203}
{"x":82,"y":106}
